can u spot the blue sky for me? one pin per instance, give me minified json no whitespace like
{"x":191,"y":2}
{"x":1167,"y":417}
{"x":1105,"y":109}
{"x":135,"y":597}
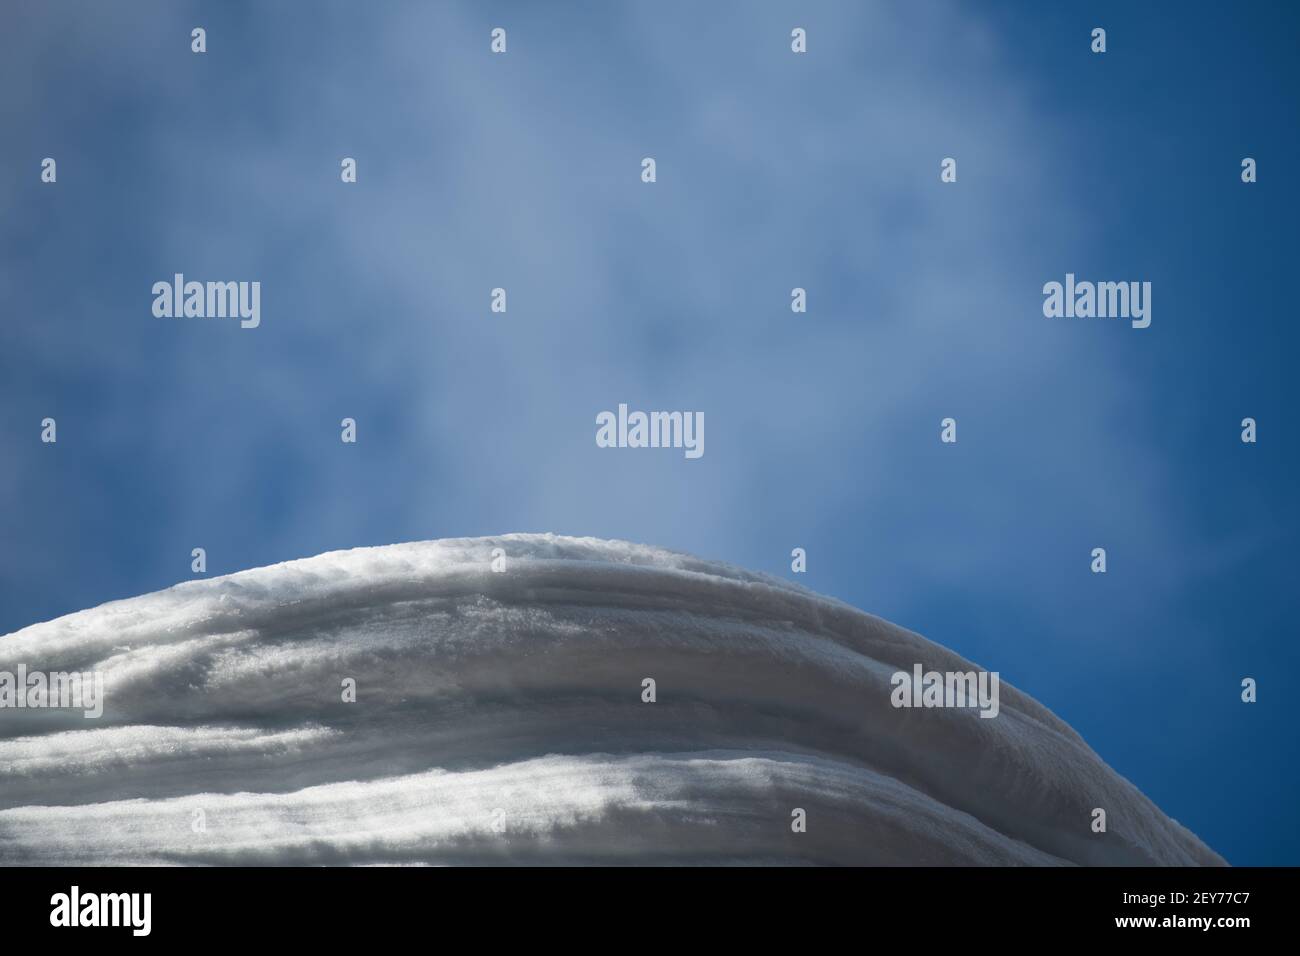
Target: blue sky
{"x":774,"y":171}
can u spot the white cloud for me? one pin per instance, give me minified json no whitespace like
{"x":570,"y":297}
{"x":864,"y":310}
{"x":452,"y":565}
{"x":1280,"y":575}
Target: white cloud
{"x":520,"y":692}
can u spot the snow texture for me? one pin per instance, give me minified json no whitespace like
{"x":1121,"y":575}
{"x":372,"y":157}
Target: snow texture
{"x":499,"y":719}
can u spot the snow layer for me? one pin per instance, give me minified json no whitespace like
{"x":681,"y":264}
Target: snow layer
{"x":498,"y":719}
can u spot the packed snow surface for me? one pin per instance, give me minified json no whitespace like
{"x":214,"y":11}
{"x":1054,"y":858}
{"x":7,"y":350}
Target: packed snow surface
{"x":499,"y":718}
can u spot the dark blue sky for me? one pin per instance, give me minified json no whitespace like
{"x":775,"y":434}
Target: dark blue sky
{"x":775,"y":171}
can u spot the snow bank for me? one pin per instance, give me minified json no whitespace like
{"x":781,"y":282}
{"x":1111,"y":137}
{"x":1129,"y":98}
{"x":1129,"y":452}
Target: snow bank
{"x":499,"y":718}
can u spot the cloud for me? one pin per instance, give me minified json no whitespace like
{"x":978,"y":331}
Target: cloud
{"x":520,"y":171}
{"x":500,"y":717}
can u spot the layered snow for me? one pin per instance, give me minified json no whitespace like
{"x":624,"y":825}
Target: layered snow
{"x":499,"y":719}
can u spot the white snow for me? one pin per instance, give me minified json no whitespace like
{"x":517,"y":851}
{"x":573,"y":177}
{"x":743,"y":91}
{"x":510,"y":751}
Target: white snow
{"x":499,"y":719}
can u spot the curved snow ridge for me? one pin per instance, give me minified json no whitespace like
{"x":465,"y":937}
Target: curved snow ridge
{"x":498,"y":717}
